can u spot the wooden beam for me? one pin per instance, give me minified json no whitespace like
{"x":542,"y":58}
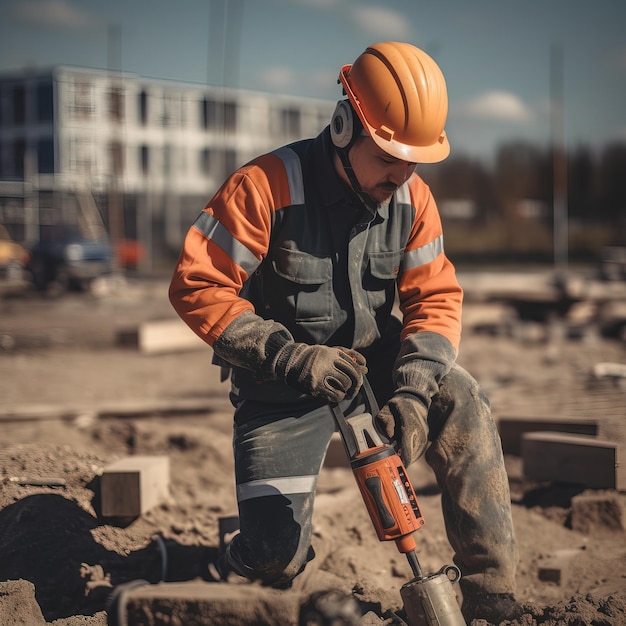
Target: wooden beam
{"x":512,"y":429}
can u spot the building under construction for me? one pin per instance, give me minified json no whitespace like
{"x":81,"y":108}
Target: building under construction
{"x":138,"y":157}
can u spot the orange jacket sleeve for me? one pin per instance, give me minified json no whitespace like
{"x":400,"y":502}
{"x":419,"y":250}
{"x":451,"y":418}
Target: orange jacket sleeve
{"x":429,"y":293}
{"x":227,"y":242}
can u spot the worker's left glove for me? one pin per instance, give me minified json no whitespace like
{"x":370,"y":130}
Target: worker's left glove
{"x":404,"y":421}
{"x":423,"y":360}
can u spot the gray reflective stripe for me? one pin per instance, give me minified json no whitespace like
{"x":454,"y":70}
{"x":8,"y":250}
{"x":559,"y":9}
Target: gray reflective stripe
{"x":423,"y":255}
{"x":216,"y":232}
{"x":275,"y":487}
{"x":294,"y":173}
{"x":403,"y":195}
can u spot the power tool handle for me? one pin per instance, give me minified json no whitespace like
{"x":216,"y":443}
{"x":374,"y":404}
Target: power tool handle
{"x":375,"y":487}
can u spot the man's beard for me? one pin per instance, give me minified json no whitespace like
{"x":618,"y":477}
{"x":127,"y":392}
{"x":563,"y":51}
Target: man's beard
{"x":382,"y":192}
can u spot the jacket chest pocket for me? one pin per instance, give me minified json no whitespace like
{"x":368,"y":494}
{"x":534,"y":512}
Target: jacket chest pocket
{"x":306,"y":284}
{"x":380,"y":276}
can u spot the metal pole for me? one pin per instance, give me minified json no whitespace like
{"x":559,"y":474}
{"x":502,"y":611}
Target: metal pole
{"x":559,"y":161}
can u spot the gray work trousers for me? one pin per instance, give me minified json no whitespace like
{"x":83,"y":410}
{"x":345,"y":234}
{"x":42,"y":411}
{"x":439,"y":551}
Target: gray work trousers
{"x":279,"y":451}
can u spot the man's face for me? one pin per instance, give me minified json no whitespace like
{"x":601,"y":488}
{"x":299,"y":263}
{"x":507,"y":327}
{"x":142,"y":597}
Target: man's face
{"x":378,"y":173}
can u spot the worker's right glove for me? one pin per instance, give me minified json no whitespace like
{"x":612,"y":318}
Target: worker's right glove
{"x":268,"y":349}
{"x":321,"y":371}
{"x":404,"y":421}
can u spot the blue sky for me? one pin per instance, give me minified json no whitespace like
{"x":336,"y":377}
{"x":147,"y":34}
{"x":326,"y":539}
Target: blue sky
{"x":495,"y":54}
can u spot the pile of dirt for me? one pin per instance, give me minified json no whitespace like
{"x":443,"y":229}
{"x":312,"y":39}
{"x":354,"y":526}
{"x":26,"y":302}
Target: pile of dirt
{"x":51,"y":533}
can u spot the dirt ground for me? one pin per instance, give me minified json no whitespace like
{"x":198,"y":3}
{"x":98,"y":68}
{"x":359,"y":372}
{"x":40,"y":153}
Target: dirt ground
{"x":71,"y":402}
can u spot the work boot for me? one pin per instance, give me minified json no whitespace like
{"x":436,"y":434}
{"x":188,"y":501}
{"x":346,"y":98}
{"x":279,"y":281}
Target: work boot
{"x":492,"y":607}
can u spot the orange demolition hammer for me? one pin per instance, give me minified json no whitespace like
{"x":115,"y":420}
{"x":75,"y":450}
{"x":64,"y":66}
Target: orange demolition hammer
{"x":393,"y":508}
{"x":382,"y":479}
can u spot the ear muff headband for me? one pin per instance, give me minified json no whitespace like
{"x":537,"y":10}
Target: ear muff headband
{"x":345,"y":127}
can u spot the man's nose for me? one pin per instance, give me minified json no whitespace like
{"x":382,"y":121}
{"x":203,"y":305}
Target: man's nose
{"x":402,"y":171}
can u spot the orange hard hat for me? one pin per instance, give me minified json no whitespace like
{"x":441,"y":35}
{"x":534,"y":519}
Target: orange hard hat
{"x":400,"y":96}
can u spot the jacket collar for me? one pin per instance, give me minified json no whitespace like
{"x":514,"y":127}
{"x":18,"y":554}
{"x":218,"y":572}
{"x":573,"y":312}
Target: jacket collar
{"x":331,"y":188}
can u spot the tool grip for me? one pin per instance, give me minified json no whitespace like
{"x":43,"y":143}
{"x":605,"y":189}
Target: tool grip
{"x":374,"y":486}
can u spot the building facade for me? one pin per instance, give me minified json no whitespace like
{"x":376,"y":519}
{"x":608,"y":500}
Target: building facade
{"x":142,"y":155}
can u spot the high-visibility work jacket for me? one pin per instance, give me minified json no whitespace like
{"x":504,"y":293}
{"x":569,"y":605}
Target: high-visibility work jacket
{"x":285,"y":238}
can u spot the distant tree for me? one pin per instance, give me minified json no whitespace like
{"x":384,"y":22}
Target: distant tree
{"x":581,"y":184}
{"x":596,"y":195}
{"x":460,"y":178}
{"x":520,"y":171}
{"x":612,"y":184}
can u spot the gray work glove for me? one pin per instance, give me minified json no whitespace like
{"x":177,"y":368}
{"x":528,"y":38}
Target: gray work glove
{"x":268,"y":349}
{"x":404,"y":420}
{"x":423,"y":360}
{"x":321,"y":371}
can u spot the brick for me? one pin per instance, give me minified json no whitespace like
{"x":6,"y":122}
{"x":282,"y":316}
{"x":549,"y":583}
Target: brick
{"x":131,"y":486}
{"x":594,"y":463}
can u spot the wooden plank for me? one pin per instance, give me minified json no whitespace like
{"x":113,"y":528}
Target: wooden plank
{"x":587,"y":461}
{"x":512,"y":429}
{"x":131,"y":486}
{"x":139,"y":407}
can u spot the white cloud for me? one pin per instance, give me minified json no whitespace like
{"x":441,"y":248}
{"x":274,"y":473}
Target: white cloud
{"x":56,"y":13}
{"x":277,"y":77}
{"x":381,"y":22}
{"x":500,"y":105}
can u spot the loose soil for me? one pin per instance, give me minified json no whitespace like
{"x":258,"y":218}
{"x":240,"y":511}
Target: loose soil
{"x":70,"y":404}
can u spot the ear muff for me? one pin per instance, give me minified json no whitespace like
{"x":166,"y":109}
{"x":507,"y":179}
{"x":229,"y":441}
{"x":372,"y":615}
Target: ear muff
{"x":342,"y":124}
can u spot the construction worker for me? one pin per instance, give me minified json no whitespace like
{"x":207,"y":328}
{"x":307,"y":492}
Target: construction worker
{"x":291,"y":273}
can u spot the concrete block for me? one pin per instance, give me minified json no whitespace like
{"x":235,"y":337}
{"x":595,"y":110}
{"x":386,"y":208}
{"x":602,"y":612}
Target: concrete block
{"x":557,"y":567}
{"x":210,"y":604}
{"x":594,"y":463}
{"x":161,"y":336}
{"x":513,"y":428}
{"x":133,"y":485}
